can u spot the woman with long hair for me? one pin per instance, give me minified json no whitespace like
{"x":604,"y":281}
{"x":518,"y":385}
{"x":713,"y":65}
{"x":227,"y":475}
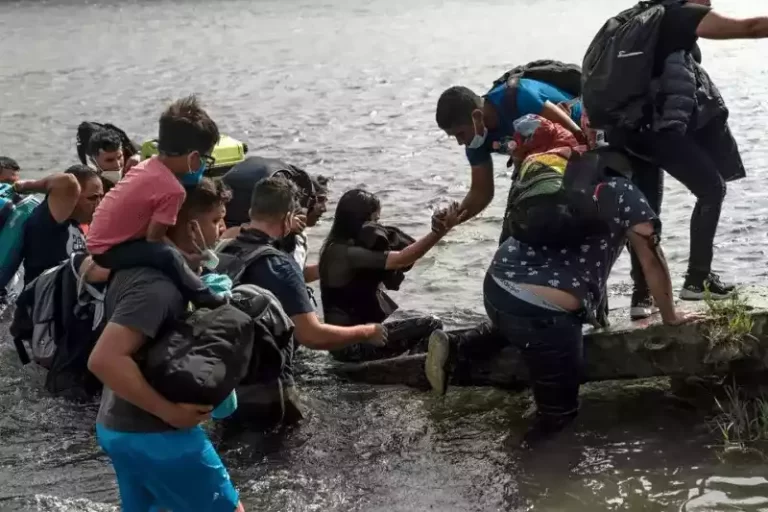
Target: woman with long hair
{"x":352,"y":276}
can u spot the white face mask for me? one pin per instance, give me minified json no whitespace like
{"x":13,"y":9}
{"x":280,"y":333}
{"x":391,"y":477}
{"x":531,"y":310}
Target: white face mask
{"x":210,"y":258}
{"x":111,"y":176}
{"x":478,"y":140}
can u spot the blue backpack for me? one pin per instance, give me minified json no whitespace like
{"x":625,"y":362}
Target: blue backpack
{"x":13,"y":218}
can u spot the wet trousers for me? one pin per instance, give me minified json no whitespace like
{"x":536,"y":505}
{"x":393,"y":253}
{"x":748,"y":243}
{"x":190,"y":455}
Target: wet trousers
{"x":551,"y":343}
{"x":406,"y":335}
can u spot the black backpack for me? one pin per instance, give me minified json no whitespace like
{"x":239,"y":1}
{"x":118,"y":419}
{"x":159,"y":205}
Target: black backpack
{"x":560,"y":74}
{"x":555,"y":200}
{"x":87,"y":129}
{"x":205,"y":355}
{"x":618,"y":67}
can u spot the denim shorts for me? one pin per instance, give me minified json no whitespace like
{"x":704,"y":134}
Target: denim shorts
{"x":177,"y":470}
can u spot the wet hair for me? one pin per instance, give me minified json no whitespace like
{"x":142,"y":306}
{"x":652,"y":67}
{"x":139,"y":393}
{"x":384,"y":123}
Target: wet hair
{"x":82,"y":173}
{"x":273,"y":197}
{"x":321,"y":184}
{"x":207,"y":195}
{"x":355,"y":208}
{"x":185,"y":127}
{"x":455,"y":107}
{"x":104,"y":140}
{"x":8,"y":163}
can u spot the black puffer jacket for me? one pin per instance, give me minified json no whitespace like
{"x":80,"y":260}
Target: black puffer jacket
{"x":687,"y":98}
{"x":676,"y":95}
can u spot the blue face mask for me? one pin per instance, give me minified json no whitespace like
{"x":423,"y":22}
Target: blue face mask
{"x":193,"y":178}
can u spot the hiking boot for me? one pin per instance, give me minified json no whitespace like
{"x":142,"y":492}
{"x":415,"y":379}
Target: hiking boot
{"x":697,"y":287}
{"x":642,"y":305}
{"x":436,"y":366}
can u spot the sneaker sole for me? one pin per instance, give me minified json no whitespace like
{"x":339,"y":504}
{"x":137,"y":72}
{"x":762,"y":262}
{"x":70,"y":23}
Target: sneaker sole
{"x":641,"y":312}
{"x":437,"y":357}
{"x":691,"y":295}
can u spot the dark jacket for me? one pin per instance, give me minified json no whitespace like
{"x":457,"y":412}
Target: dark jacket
{"x":363,"y":300}
{"x":676,"y":89}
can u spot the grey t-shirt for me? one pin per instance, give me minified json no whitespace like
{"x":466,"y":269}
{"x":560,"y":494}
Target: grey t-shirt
{"x":146,"y":300}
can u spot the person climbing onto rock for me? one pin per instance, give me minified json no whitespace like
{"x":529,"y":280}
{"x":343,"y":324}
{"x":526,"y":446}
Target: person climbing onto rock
{"x":651,"y":94}
{"x":538,"y":297}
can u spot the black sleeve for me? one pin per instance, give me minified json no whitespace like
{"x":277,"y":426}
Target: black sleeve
{"x":678,"y":28}
{"x":360,"y":257}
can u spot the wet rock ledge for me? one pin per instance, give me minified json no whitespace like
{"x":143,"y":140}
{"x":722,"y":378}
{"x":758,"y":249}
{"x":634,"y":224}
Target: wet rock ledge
{"x":625,"y":350}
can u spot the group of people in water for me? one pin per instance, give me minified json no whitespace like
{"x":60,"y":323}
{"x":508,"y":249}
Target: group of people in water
{"x":153,"y":243}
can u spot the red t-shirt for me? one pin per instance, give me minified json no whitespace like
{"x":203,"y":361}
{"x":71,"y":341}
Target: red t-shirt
{"x":150,"y":192}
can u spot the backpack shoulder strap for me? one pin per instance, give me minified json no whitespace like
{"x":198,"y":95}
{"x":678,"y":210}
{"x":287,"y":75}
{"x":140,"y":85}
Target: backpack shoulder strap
{"x":235,"y":264}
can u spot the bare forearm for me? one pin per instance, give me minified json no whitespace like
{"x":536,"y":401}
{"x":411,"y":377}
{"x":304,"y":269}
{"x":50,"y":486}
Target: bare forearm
{"x":758,"y":27}
{"x":123,"y":376}
{"x":47,"y":184}
{"x":329,"y":337}
{"x":413,"y":252}
{"x":473,"y":204}
{"x":311,"y":273}
{"x":557,"y":115}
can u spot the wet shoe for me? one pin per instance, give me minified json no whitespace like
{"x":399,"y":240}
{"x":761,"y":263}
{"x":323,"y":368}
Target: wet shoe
{"x":698,"y":288}
{"x":642,"y":305}
{"x":437,"y":362}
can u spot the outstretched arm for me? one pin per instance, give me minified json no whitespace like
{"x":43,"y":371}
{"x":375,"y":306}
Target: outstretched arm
{"x":480,"y":192}
{"x":717,"y":26}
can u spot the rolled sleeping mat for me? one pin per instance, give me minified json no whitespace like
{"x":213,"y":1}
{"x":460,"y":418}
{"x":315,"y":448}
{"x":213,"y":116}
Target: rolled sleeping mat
{"x":12,"y":237}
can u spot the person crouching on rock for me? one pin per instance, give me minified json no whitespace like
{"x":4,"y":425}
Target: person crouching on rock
{"x":538,"y":297}
{"x":358,"y":259}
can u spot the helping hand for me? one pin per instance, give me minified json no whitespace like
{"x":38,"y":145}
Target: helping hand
{"x":135,"y":159}
{"x":299,"y":222}
{"x":379,"y":336}
{"x":184,"y":416}
{"x":444,"y":220}
{"x":684,"y":318}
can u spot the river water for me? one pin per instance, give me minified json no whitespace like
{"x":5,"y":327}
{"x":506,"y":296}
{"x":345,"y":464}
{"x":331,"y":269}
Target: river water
{"x":348,"y":88}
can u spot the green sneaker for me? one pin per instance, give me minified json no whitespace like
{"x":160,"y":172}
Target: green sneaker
{"x":437,"y":362}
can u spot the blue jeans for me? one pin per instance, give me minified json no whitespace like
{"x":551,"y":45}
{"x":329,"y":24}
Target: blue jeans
{"x":551,"y":343}
{"x":178,"y":470}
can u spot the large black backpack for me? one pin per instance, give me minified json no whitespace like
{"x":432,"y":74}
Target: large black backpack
{"x":618,"y":67}
{"x":555,"y":201}
{"x":560,"y":74}
{"x":204,"y":356}
{"x":242,"y":178}
{"x":87,"y":128}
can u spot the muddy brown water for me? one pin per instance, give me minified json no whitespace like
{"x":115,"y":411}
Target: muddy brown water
{"x":348,"y":88}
